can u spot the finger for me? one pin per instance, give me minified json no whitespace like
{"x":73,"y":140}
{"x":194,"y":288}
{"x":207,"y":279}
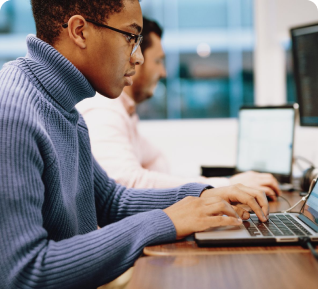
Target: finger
{"x":253,"y":198}
{"x":269,"y":193}
{"x":260,"y":198}
{"x":218,"y":221}
{"x":263,"y":203}
{"x":270,"y":181}
{"x":272,"y":198}
{"x":221,"y":207}
{"x":252,"y":203}
{"x":243,"y":214}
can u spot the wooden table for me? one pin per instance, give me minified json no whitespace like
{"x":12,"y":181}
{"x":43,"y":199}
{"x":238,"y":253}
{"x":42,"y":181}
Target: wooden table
{"x":185,"y":265}
{"x":257,"y":271}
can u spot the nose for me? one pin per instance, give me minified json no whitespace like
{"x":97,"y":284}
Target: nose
{"x":137,"y":58}
{"x":163,"y":73}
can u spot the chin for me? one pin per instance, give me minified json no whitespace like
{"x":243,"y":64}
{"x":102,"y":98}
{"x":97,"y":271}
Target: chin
{"x":111,"y":94}
{"x":144,"y":98}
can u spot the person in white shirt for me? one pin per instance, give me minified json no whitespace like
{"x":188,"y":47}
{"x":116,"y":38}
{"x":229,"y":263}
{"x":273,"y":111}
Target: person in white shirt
{"x":126,"y":155}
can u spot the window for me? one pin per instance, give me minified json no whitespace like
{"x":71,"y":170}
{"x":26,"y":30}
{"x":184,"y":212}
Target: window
{"x":219,"y":81}
{"x":16,"y":22}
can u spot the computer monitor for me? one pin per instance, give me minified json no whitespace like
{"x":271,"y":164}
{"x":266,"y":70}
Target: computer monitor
{"x":265,"y":141}
{"x":305,"y":56}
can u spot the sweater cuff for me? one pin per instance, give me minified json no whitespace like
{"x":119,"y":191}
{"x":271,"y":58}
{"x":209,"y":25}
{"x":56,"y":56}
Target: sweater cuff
{"x":159,"y":227}
{"x":192,"y":189}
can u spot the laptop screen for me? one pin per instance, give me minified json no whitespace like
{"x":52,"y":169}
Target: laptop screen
{"x":265,"y":142}
{"x":311,"y":207}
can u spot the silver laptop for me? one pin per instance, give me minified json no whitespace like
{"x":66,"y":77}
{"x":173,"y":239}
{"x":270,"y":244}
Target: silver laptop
{"x":284,"y":228}
{"x":265,"y":143}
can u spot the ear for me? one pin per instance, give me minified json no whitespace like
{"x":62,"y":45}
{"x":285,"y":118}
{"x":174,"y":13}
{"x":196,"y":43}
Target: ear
{"x":78,"y":30}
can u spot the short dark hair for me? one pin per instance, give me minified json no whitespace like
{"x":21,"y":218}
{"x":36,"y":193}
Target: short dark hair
{"x":149,"y":27}
{"x":49,"y":15}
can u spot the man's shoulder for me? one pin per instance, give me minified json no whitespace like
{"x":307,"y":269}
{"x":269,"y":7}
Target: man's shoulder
{"x":10,"y":71}
{"x":14,"y":79}
{"x":17,"y":92}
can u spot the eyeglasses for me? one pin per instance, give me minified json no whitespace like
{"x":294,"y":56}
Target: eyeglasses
{"x":129,"y":36}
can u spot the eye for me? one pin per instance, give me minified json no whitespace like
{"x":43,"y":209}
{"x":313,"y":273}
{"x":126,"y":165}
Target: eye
{"x":128,"y":37}
{"x":160,"y":61}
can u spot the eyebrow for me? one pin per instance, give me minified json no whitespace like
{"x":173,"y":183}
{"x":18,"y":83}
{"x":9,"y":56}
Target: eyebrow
{"x":136,"y":27}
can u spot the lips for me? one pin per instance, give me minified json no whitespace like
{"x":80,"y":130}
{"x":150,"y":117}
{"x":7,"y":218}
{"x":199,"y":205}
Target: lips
{"x":128,"y":79}
{"x":131,"y":73}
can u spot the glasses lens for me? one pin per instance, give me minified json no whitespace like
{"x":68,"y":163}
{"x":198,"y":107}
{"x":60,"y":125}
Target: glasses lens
{"x":136,"y":45}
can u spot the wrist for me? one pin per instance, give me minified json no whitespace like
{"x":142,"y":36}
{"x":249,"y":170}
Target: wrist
{"x":205,"y":189}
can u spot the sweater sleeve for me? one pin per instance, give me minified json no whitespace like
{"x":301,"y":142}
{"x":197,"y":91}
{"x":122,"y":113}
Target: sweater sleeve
{"x":29,"y":258}
{"x":122,"y":202}
{"x":115,"y":152}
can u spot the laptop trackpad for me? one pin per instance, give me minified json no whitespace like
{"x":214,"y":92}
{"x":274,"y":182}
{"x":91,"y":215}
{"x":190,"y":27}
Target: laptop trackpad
{"x":224,"y":232}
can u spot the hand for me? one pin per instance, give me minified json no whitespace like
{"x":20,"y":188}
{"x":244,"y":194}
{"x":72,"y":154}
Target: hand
{"x":193,"y":214}
{"x":255,"y":199}
{"x":260,"y":181}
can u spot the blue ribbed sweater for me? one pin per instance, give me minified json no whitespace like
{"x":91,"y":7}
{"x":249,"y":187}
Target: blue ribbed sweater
{"x":53,"y":194}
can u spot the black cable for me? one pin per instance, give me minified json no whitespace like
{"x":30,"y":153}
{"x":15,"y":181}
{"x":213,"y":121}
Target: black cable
{"x":299,"y":166}
{"x":252,"y":212}
{"x":305,"y":160}
{"x":281,"y":198}
{"x":285,"y":200}
{"x":305,"y":242}
{"x":312,"y":250}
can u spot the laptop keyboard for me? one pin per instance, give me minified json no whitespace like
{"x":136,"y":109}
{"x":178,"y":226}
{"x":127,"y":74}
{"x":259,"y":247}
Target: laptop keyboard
{"x":278,"y":225}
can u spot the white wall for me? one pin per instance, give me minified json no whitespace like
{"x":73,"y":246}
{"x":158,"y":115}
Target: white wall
{"x":188,"y":144}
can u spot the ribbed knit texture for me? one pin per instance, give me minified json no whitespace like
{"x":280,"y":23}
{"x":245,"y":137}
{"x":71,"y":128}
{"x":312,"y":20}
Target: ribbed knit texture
{"x":53,"y":194}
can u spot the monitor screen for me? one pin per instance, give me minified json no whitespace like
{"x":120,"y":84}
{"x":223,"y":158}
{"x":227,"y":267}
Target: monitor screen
{"x":305,"y":54}
{"x":265,"y":142}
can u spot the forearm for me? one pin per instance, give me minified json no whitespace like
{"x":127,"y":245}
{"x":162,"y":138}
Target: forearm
{"x":124,"y":202}
{"x":83,"y":261}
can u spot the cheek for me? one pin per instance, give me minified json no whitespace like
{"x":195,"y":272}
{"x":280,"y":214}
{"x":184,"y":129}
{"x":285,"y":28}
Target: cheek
{"x":109,"y":75}
{"x":155,"y":78}
{"x":112,"y":69}
{"x":151,"y":75}
{"x":109,"y":60}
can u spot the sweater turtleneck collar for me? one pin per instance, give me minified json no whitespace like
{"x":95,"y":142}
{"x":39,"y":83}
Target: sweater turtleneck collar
{"x":59,"y":77}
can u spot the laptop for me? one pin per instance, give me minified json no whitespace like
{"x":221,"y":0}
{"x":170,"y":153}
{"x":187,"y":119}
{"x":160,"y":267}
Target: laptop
{"x":265,"y":142}
{"x":282,"y":228}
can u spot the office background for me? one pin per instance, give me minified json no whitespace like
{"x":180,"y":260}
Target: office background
{"x":220,"y":54}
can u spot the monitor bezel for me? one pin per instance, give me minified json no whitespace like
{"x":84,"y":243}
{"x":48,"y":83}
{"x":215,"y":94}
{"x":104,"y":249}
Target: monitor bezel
{"x":296,"y":74}
{"x":282,"y":178}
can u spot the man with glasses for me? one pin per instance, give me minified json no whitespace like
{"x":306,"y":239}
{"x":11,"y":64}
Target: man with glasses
{"x":126,"y":155}
{"x":53,"y":193}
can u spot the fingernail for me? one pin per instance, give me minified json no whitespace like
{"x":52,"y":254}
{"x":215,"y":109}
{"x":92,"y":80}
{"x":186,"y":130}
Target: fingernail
{"x":264,"y":217}
{"x":239,"y":221}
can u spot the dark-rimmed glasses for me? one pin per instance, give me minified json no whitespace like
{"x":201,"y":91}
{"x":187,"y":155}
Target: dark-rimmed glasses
{"x":129,"y":36}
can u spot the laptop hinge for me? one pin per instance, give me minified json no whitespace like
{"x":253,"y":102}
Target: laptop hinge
{"x":308,"y":222}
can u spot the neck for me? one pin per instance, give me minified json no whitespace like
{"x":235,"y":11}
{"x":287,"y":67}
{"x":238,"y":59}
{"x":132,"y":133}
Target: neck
{"x":129,"y":91}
